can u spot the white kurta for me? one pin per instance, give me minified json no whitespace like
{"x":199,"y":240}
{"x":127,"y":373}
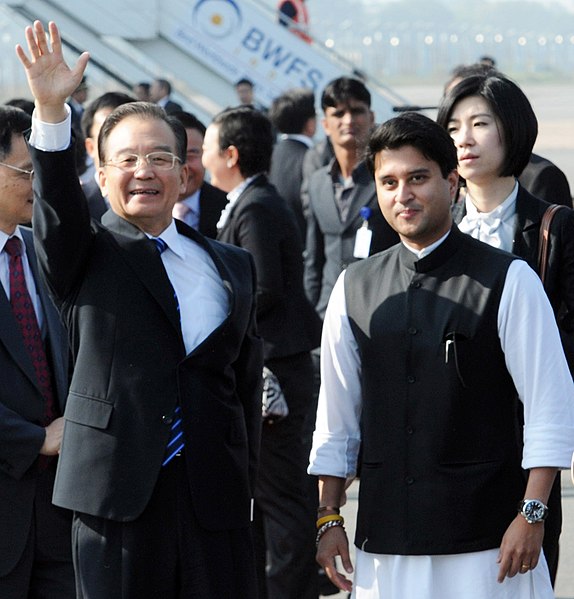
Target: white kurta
{"x":536,"y":362}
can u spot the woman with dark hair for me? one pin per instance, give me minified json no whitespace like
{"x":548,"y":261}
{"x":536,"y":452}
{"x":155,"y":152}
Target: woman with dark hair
{"x":237,"y":151}
{"x":494,"y":129}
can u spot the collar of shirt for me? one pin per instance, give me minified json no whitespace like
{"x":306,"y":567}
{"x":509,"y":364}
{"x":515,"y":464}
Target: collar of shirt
{"x":173,"y":240}
{"x":232,"y":197}
{"x":430,"y":248}
{"x":337,"y":176}
{"x":495,"y":227}
{"x":297,"y":137}
{"x":4,"y":238}
{"x":163,"y":101}
{"x":192,"y":201}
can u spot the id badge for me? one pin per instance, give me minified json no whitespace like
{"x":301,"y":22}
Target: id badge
{"x":362,"y":243}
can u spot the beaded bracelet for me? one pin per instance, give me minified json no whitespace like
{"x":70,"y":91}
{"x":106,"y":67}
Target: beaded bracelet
{"x":326,"y":527}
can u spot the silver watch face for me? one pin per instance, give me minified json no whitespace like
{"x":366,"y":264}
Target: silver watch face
{"x":534,"y":510}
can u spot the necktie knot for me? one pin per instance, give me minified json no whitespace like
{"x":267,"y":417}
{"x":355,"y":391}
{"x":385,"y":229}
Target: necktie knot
{"x":160,"y":244}
{"x":13,"y":247}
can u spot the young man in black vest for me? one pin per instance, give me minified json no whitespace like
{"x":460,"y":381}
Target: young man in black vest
{"x":443,"y":507}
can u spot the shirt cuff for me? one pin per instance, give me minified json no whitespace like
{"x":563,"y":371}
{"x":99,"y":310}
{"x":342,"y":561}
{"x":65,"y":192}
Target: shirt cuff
{"x":51,"y":137}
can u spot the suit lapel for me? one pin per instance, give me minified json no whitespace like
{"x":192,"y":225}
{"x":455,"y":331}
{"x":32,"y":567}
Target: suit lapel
{"x":139,"y":253}
{"x":55,"y":332}
{"x":10,"y":334}
{"x":362,"y":194}
{"x":529,"y":214}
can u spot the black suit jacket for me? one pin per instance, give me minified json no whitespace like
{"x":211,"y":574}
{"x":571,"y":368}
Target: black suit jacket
{"x":211,"y":202}
{"x":21,"y":413}
{"x":286,"y":174}
{"x":96,"y":203}
{"x":172,"y":107}
{"x":260,"y":221}
{"x":330,"y":242}
{"x":560,"y":272}
{"x":546,"y":181}
{"x":131,"y":366}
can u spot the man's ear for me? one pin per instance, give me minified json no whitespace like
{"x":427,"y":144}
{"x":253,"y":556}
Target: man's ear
{"x":452,"y":179}
{"x":103,"y":181}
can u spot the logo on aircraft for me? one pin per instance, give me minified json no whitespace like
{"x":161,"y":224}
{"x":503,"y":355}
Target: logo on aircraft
{"x":217,"y":18}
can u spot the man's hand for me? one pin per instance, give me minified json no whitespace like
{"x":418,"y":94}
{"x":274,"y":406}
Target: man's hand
{"x":53,"y":438}
{"x":334,"y":542}
{"x":50,"y":79}
{"x":520,"y":548}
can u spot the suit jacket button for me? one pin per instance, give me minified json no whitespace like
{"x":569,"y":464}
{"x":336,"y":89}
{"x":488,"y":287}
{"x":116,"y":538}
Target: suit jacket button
{"x":167,"y":419}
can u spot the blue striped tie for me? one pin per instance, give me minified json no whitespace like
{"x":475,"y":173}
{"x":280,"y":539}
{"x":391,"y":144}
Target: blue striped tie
{"x":175,"y":443}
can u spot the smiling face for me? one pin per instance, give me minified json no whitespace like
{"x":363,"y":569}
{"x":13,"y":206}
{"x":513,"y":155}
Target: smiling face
{"x":16,"y":196}
{"x":146,"y":196}
{"x":476,"y":133}
{"x":414,"y":197}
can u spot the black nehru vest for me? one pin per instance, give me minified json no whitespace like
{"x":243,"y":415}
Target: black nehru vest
{"x":440,"y":470}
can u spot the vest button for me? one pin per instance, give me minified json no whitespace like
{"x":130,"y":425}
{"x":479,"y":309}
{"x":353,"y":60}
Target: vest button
{"x":409,"y":480}
{"x":413,"y":331}
{"x":410,"y":430}
{"x":167,"y":419}
{"x":411,"y":379}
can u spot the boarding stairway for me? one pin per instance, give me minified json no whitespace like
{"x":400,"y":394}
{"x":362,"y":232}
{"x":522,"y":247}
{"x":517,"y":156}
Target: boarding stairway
{"x":201,"y":46}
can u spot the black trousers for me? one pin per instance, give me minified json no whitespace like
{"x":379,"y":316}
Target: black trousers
{"x":45,"y":568}
{"x":553,"y":528}
{"x":164,"y":553}
{"x":284,"y":516}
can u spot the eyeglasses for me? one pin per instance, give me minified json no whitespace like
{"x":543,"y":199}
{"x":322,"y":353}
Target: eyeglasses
{"x":28,"y":174}
{"x":162,"y":161}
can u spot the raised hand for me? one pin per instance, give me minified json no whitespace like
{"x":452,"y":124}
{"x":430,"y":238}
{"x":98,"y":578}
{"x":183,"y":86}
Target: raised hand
{"x":50,"y":79}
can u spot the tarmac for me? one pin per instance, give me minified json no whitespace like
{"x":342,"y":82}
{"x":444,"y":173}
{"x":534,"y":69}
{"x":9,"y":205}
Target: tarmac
{"x":565,"y":579}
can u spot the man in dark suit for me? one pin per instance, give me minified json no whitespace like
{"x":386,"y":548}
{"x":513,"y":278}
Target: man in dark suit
{"x":341,"y":195}
{"x":160,"y":92}
{"x":35,"y":536}
{"x":544,"y":180}
{"x":163,"y":418}
{"x":237,"y":152}
{"x":201,"y":203}
{"x":92,"y":120}
{"x":293,"y":115}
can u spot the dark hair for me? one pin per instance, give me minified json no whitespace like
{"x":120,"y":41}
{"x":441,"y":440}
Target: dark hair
{"x":250,"y":131}
{"x":108,"y":100}
{"x":343,"y":89}
{"x":420,"y":132}
{"x":12,"y":122}
{"x":144,"y":111}
{"x":510,"y":106}
{"x":189,"y":121}
{"x":290,"y":111}
{"x":23,"y":103}
{"x":165,"y":85}
{"x":244,"y":81}
{"x":144,"y":85}
{"x":462,"y":71}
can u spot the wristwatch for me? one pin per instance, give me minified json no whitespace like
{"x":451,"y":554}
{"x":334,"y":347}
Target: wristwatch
{"x":533,"y":510}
